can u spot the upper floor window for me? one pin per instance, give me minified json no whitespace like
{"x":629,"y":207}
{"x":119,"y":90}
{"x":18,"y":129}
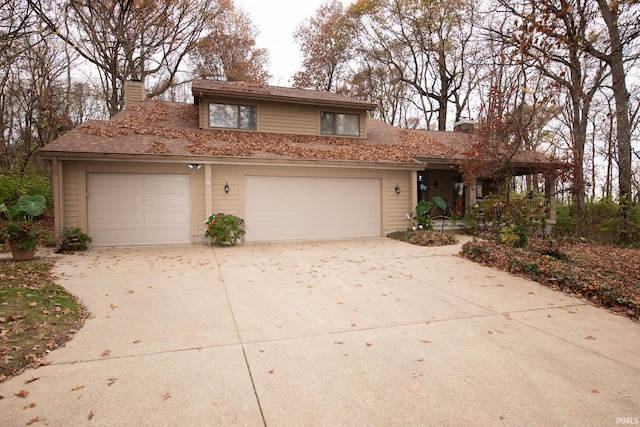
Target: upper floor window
{"x":339,"y":124}
{"x":232,"y":116}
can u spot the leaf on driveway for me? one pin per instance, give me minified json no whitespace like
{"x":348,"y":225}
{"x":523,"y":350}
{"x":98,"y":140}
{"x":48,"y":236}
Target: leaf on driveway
{"x":595,"y":390}
{"x":369,"y":344}
{"x":589,"y":337}
{"x":30,"y":405}
{"x":35,"y":420}
{"x":425,"y":341}
{"x":32,"y":379}
{"x":271,"y":371}
{"x":90,"y":415}
{"x":105,"y":352}
{"x":111,"y":381}
{"x":166,"y":396}
{"x":114,"y":306}
{"x":22,"y":393}
{"x":78,"y":387}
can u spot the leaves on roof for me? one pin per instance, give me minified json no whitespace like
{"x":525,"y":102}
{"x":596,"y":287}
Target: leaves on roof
{"x":173,"y":129}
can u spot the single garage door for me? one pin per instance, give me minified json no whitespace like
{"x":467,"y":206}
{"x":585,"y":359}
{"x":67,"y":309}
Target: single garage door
{"x":138,"y":209}
{"x":297,"y":208}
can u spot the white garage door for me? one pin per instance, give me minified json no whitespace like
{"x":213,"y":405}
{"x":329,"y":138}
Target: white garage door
{"x":296,"y":208}
{"x":138,"y":209}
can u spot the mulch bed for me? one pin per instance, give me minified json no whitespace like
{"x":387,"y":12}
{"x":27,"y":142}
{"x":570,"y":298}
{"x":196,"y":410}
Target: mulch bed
{"x":607,"y":276}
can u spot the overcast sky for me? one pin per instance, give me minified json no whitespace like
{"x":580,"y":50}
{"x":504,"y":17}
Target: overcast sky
{"x":277,"y":20}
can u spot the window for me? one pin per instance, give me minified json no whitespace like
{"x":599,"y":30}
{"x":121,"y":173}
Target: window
{"x":232,"y":116}
{"x":339,"y":124}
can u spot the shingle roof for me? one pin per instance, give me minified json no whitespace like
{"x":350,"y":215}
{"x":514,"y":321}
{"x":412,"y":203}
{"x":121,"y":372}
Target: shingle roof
{"x":171,"y":129}
{"x":281,"y":94}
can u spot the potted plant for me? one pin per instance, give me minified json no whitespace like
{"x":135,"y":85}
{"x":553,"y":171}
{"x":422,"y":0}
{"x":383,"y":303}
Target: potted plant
{"x":23,"y":236}
{"x":225,"y":229}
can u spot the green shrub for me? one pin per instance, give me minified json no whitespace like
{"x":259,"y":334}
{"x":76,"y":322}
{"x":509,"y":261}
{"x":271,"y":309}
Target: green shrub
{"x":74,"y":239}
{"x":13,"y":185}
{"x":227,"y":229}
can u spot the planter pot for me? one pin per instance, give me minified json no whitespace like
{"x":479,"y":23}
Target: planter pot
{"x":22,"y":255}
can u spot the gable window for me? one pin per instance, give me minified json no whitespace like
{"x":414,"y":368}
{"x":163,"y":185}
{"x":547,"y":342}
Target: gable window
{"x":232,"y":116}
{"x":339,"y":124}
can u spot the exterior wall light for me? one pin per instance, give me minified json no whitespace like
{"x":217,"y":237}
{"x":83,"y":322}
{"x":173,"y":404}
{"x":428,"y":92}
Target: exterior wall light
{"x":194,"y":166}
{"x":397,"y":189}
{"x":226,"y":187}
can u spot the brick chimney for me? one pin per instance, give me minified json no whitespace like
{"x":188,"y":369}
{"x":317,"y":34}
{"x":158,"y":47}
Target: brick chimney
{"x":134,"y":92}
{"x":464,"y":125}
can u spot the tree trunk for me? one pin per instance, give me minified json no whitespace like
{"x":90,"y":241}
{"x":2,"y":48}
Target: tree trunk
{"x":621,"y":96}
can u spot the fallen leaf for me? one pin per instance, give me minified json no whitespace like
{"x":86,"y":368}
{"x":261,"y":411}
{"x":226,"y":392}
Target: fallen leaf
{"x":425,"y":341}
{"x":105,"y":352}
{"x":114,"y":306}
{"x":491,"y":306}
{"x":595,"y":390}
{"x":32,"y":379}
{"x":90,"y":415}
{"x":507,"y":315}
{"x":271,"y":371}
{"x":215,"y":403}
{"x":369,"y":344}
{"x":30,"y":405}
{"x":34,"y":420}
{"x":137,"y":342}
{"x":589,"y":338}
{"x":78,"y":387}
{"x":111,"y":380}
{"x":338,"y":342}
{"x":166,"y":396}
{"x":22,"y":393}
{"x":130,"y":291}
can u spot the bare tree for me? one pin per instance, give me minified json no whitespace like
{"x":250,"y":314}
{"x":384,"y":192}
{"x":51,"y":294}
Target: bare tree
{"x":428,"y":45}
{"x":546,"y":38}
{"x":129,"y":39}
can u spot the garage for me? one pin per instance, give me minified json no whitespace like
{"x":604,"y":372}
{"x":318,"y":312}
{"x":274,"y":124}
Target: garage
{"x":127,"y":209}
{"x":297,"y":208}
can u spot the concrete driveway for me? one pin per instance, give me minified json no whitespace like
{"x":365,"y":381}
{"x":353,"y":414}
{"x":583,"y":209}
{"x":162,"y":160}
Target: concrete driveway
{"x":358,"y":332}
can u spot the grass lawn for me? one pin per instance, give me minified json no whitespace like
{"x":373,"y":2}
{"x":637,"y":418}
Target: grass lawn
{"x":36,"y":315}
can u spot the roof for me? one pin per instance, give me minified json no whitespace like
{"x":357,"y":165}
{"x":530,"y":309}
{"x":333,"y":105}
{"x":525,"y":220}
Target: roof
{"x":247,"y":90}
{"x":163,"y":129}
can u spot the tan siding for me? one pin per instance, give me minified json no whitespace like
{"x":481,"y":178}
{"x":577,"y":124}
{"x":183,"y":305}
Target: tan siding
{"x":397,"y":206}
{"x":287,"y":118}
{"x":228,"y":203}
{"x":274,"y":117}
{"x":71,"y":196}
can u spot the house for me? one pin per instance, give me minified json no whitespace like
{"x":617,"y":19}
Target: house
{"x":295,"y":164}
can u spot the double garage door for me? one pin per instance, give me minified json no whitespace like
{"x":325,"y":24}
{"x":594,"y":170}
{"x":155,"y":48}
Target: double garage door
{"x":138,"y":209}
{"x":297,"y":208}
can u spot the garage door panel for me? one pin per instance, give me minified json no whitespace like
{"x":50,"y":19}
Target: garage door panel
{"x":105,"y":200}
{"x":165,"y":200}
{"x":111,"y":219}
{"x":311,"y":208}
{"x":138,"y":209}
